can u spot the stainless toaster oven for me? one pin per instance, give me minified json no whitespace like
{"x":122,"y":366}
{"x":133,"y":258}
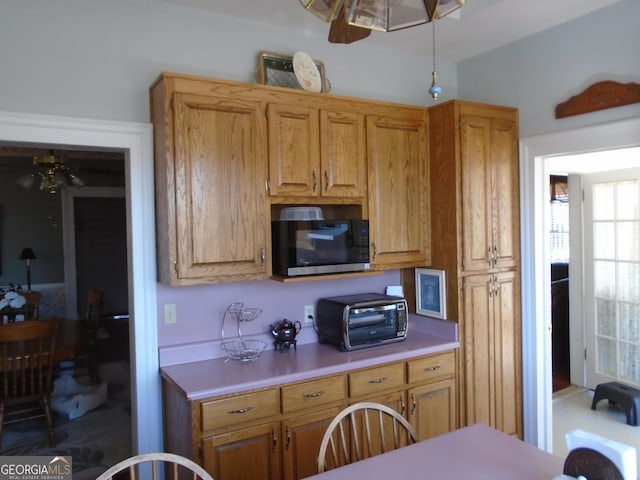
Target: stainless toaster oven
{"x":361,"y":320}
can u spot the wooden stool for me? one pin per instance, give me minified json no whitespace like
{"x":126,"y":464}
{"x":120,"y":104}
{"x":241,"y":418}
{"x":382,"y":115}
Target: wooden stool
{"x":628,"y":398}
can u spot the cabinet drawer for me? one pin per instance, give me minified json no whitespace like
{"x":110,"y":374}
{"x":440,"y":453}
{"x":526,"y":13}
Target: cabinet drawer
{"x":376,"y":379}
{"x":242,"y":408}
{"x":431,"y":367}
{"x":315,"y":392}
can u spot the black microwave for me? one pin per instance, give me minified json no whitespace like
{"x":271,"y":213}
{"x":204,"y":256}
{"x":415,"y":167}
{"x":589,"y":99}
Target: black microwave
{"x":312,"y":247}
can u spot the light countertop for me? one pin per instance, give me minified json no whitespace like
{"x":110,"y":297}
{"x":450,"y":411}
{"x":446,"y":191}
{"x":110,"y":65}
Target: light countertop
{"x":214,"y":377}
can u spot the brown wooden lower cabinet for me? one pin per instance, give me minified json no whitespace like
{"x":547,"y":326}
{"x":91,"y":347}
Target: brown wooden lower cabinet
{"x":252,"y":452}
{"x":275,"y":433}
{"x":432,"y":408}
{"x":302,"y":436}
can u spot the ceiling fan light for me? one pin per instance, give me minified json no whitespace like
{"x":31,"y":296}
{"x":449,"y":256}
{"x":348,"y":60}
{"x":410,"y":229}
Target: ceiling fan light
{"x":59,"y":179}
{"x":390,"y":15}
{"x":75,"y":180}
{"x":327,"y":10}
{"x":53,"y":172}
{"x":27,"y":181}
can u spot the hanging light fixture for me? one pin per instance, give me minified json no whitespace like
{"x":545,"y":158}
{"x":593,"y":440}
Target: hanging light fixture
{"x":53,"y":173}
{"x":435,"y":90}
{"x":383,"y":15}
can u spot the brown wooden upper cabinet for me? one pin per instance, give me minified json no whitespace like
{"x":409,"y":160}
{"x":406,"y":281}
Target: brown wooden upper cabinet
{"x":316,"y":152}
{"x":230,"y":155}
{"x":490,"y":220}
{"x":211,"y":209}
{"x":398,"y":189}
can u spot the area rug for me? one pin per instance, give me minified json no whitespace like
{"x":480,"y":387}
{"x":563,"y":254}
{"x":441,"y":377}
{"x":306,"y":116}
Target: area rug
{"x":94,"y":441}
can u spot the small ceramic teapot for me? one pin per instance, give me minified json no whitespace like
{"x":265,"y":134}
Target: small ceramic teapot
{"x":285,"y":331}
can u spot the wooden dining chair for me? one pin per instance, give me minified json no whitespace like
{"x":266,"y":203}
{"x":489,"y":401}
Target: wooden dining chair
{"x":363,"y":430}
{"x":590,"y":464}
{"x":32,"y":307}
{"x":174,"y":467}
{"x":27,"y":352}
{"x":87,"y":359}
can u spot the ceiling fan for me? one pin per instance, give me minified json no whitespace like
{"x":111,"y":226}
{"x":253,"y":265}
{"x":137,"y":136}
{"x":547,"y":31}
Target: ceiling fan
{"x":51,"y":170}
{"x":353,"y":20}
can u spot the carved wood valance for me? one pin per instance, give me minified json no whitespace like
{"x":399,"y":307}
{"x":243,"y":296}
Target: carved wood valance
{"x":600,"y":96}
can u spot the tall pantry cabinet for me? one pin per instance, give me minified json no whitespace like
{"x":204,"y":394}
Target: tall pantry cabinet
{"x":475,"y":239}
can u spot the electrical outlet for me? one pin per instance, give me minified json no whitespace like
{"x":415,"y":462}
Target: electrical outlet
{"x":309,"y":313}
{"x":170,"y":313}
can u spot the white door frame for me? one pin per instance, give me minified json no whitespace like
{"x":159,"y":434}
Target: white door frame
{"x":69,"y":194}
{"x":536,"y":315}
{"x":136,"y":142}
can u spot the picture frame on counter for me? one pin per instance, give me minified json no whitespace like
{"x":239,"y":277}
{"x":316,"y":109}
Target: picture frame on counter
{"x":431,"y":295}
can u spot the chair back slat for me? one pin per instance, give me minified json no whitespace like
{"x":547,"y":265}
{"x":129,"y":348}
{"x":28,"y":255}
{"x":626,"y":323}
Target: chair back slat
{"x":366,"y":436}
{"x":174,"y":467}
{"x":27,"y":352}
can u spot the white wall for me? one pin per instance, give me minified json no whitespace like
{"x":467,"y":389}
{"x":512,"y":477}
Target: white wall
{"x":93,"y":58}
{"x":540,"y":71}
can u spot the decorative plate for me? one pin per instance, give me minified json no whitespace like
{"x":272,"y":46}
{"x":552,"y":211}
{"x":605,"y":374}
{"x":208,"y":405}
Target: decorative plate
{"x":306,"y":72}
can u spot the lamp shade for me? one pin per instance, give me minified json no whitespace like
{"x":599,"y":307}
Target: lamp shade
{"x":27,"y":254}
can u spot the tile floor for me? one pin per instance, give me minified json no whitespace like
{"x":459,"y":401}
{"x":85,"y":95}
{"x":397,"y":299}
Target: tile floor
{"x":572,"y":409}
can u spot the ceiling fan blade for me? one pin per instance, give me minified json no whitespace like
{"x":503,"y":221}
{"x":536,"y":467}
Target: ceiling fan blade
{"x":342,"y":32}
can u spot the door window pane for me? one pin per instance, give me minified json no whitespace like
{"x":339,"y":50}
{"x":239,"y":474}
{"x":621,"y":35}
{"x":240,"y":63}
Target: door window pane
{"x":627,"y":200}
{"x":630,"y":322}
{"x":605,"y":279}
{"x":603,"y":201}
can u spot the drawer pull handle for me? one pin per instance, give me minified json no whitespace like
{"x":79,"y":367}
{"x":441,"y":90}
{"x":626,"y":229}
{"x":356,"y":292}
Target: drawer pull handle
{"x":241,"y":410}
{"x":314,"y":395}
{"x":378,"y":380}
{"x":432,"y":369}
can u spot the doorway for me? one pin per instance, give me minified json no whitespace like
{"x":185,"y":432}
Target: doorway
{"x":536,"y":304}
{"x":95,"y":248}
{"x":135,"y":141}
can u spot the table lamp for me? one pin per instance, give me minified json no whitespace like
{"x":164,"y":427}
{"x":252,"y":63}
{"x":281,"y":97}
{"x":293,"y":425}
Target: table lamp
{"x":28,"y":255}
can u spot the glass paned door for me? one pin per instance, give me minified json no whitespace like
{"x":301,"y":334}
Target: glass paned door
{"x":612,"y":276}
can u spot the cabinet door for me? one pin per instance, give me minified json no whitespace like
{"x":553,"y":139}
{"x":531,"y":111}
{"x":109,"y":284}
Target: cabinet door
{"x":479,"y":352}
{"x":432,"y":408}
{"x":476,"y":165}
{"x":220,"y":201}
{"x":342,"y":154}
{"x":508,"y":353}
{"x":294,"y":151}
{"x":506,"y":223}
{"x":242,"y":454}
{"x":302,"y":437}
{"x":398,"y":191}
{"x":490,"y":193}
{"x":492,"y":349}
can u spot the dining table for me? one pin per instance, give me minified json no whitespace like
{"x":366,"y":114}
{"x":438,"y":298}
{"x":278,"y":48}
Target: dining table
{"x":475,"y":452}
